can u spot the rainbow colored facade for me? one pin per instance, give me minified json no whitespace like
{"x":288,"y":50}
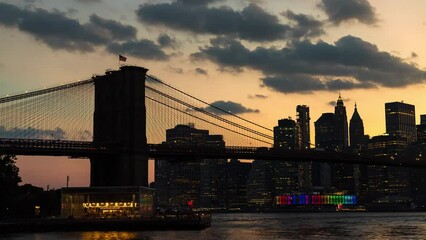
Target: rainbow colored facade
{"x":315,"y":199}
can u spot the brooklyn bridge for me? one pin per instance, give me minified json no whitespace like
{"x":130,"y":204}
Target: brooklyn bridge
{"x":118,"y":121}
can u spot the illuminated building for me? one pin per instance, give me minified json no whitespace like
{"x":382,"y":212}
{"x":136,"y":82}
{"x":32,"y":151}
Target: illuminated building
{"x":304,"y":199}
{"x":107,"y":202}
{"x":401,"y":120}
{"x":200,"y":182}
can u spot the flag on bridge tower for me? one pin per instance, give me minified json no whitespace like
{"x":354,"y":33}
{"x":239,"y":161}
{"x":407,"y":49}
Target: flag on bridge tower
{"x":121,"y":58}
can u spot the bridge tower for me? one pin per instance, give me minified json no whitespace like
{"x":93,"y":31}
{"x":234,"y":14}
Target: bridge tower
{"x":120,"y":126}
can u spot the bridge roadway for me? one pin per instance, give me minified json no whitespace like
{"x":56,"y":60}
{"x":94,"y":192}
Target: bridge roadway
{"x":82,"y":149}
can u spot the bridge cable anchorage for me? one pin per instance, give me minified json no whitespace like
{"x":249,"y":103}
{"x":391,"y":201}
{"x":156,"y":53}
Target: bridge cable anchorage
{"x":187,"y":113}
{"x":210,"y":114}
{"x":204,"y":102}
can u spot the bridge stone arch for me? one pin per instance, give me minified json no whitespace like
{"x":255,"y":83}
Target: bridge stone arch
{"x":119,"y":124}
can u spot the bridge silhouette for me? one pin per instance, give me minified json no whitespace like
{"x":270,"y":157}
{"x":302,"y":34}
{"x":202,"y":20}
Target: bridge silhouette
{"x":118,"y":121}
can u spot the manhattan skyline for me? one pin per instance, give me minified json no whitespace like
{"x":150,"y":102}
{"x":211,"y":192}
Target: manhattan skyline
{"x":373,"y":55}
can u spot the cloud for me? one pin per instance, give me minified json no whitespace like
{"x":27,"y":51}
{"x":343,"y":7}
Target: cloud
{"x":259,"y":96}
{"x":141,"y":49}
{"x":303,"y":66}
{"x":231,"y":107}
{"x":252,"y":23}
{"x":339,"y":11}
{"x":165,"y":40}
{"x":196,"y":2}
{"x":414,"y":55}
{"x":113,"y":28}
{"x":305,"y":25}
{"x":201,"y":71}
{"x":58,"y":31}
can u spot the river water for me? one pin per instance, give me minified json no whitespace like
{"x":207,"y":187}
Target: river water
{"x":248,"y":226}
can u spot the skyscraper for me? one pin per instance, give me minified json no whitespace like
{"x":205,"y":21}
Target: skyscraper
{"x":285,"y":176}
{"x":304,"y":139}
{"x":303,"y":121}
{"x":341,"y":124}
{"x":356,"y":130}
{"x":401,"y":120}
{"x":324,"y":139}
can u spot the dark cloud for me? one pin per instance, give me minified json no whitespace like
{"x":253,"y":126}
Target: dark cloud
{"x":252,"y":23}
{"x":414,"y":55}
{"x":339,"y":11}
{"x":165,"y":40}
{"x":145,"y":49}
{"x":304,"y":66}
{"x":58,"y":31}
{"x":260,"y":96}
{"x":231,"y":107}
{"x":115,"y":29}
{"x":196,"y":2}
{"x":201,"y":71}
{"x":305,"y":25}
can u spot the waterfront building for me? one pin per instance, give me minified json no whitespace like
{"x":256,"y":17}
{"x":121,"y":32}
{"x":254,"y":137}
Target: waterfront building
{"x":401,"y":120}
{"x":107,"y":202}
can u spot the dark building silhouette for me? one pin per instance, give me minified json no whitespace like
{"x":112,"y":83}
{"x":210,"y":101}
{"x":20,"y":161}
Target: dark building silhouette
{"x":401,"y":120}
{"x":303,"y":122}
{"x":260,"y":190}
{"x":358,"y":140}
{"x":421,"y":130}
{"x":119,"y":123}
{"x":386,"y":181}
{"x":341,"y":124}
{"x":285,"y":174}
{"x":237,"y":177}
{"x":183,"y":182}
{"x":325,"y":132}
{"x":304,"y":139}
{"x":325,"y":141}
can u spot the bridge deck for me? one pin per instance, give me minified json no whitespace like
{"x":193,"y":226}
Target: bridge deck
{"x":160,"y":151}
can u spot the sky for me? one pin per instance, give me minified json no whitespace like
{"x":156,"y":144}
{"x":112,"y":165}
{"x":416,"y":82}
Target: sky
{"x":265,"y":56}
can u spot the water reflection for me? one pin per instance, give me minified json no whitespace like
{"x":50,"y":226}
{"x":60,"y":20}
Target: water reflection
{"x":253,"y":226}
{"x":110,"y":236}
